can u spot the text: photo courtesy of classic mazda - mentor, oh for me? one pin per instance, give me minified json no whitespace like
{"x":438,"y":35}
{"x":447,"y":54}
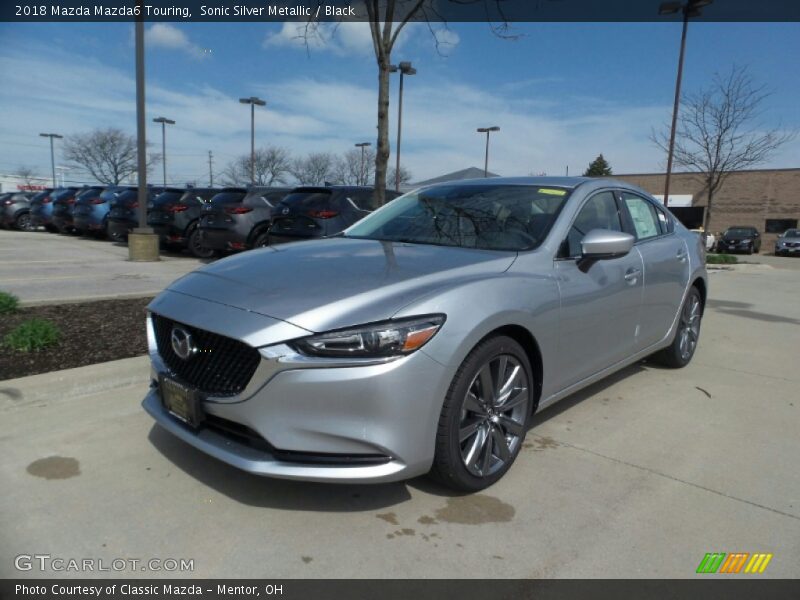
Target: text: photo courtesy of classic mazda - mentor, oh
{"x":424,"y":337}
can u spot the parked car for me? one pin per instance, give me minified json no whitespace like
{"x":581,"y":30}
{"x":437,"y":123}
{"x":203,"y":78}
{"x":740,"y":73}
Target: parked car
{"x":174,"y":217}
{"x":123,"y":215}
{"x":313,"y":212}
{"x":740,"y":239}
{"x":238,"y":218}
{"x":63,"y":207}
{"x":15,"y":210}
{"x":425,"y":336}
{"x":90,"y":215}
{"x":788,"y":243}
{"x":42,"y":208}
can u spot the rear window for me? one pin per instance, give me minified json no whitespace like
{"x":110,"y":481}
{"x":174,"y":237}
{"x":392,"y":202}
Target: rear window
{"x":228,"y":198}
{"x":168,"y":198}
{"x":128,"y":196}
{"x":309,"y":200}
{"x":40,"y":196}
{"x":62,"y":194}
{"x":90,"y":192}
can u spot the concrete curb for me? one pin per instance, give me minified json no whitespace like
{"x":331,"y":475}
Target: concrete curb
{"x":95,"y":298}
{"x":70,"y":383}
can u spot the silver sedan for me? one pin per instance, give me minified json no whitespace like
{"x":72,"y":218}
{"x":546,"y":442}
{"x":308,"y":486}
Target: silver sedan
{"x":424,"y":337}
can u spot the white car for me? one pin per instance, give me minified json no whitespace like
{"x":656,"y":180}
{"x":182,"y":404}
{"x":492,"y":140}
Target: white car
{"x":709,"y":238}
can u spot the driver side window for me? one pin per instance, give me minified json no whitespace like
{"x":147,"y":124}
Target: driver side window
{"x":599,"y":212}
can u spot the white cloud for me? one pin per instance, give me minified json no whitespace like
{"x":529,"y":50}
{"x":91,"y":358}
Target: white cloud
{"x":345,"y":38}
{"x":164,"y":35}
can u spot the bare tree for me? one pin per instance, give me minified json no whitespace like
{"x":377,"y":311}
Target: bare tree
{"x":387,"y":19}
{"x":350,"y":169}
{"x":405,"y":175}
{"x":27,"y":175}
{"x":718,"y":134}
{"x":313,"y":169}
{"x":272,"y":165}
{"x":108,"y":154}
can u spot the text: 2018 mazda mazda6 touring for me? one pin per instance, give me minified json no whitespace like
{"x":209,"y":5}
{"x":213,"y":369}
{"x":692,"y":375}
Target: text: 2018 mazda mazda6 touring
{"x":424,"y":337}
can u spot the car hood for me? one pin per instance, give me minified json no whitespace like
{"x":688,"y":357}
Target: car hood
{"x":331,"y":283}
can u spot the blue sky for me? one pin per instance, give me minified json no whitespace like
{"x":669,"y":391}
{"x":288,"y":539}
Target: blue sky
{"x":561,"y":93}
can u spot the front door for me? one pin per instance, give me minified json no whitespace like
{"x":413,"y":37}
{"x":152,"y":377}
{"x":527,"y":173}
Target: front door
{"x":600,"y":299}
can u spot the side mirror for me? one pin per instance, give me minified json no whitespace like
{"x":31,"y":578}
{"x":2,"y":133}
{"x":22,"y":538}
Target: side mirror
{"x":604,"y":243}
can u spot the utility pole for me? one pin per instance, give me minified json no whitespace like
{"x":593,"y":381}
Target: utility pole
{"x":210,"y":169}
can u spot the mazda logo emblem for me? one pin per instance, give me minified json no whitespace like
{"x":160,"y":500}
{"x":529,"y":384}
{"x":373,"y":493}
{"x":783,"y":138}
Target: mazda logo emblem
{"x":285,"y":211}
{"x":182,"y":343}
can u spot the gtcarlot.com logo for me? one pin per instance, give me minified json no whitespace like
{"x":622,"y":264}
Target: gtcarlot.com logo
{"x":735,"y":562}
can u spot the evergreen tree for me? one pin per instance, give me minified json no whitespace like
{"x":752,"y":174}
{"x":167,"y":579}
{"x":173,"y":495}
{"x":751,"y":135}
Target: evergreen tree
{"x":598,"y":168}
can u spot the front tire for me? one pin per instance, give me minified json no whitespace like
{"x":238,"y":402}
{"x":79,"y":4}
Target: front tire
{"x":680,"y":352}
{"x":196,"y":247}
{"x":485,"y":416}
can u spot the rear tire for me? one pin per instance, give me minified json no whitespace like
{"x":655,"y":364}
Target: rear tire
{"x":485,"y":416}
{"x":23,"y":222}
{"x":261,"y":240}
{"x":680,"y":352}
{"x":196,"y":248}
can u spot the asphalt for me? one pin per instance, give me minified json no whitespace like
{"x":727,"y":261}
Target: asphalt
{"x":638,"y":476}
{"x":45,"y":268}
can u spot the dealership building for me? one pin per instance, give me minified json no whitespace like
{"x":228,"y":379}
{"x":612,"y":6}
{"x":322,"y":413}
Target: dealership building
{"x":767,"y":199}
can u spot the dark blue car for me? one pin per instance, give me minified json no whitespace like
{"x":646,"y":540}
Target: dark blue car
{"x":90,"y":215}
{"x":63,"y":207}
{"x":42,"y":207}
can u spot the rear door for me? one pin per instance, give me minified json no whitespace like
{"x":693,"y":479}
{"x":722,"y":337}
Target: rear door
{"x":666,"y":265}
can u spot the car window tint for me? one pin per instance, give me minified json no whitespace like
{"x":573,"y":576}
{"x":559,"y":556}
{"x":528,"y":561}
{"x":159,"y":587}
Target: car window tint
{"x":643,"y":215}
{"x":599,"y":212}
{"x":364,"y":200}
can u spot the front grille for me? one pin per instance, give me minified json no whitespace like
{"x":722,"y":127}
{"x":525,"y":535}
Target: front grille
{"x":221,"y":366}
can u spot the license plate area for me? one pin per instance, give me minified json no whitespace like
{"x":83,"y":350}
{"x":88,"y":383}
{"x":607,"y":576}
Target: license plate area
{"x":181,"y":401}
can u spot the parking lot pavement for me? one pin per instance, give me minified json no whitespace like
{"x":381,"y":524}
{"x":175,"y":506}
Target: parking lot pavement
{"x":41,"y":267}
{"x":638,"y":476}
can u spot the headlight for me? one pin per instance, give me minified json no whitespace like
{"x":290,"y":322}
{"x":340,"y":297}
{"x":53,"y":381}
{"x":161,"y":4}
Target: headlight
{"x":389,"y":338}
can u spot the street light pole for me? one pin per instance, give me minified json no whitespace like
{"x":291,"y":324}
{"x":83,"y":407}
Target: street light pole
{"x":405,"y":68}
{"x":690,"y":9}
{"x":52,"y":136}
{"x":253,"y":101}
{"x":164,"y":122}
{"x":487,"y":131}
{"x":362,"y":173}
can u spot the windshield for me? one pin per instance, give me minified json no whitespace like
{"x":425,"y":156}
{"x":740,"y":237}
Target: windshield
{"x":792,"y":233}
{"x":488,"y":217}
{"x":739,"y":232}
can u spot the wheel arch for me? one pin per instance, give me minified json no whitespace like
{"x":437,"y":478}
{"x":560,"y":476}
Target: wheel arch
{"x":526,"y":339}
{"x":258,"y":229}
{"x":700,"y":284}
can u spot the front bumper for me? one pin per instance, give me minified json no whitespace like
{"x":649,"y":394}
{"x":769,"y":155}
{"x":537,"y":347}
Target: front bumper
{"x":367,"y":424}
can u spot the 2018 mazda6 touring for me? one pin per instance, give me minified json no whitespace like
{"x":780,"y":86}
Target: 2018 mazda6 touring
{"x":425,"y":336}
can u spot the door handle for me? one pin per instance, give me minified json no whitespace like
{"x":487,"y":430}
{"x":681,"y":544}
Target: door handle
{"x":681,"y":256}
{"x":632,"y":275}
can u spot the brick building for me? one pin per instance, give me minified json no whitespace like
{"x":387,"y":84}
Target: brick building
{"x":768,"y":199}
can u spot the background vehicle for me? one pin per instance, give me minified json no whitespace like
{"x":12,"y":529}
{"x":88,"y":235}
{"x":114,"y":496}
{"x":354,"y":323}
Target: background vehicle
{"x":743,"y":238}
{"x":709,"y":239}
{"x":123,"y":215}
{"x":313,"y":212}
{"x":42,"y":208}
{"x":64,"y":205}
{"x":90,"y":214}
{"x":15,"y":210}
{"x":426,"y":335}
{"x":239,"y":218}
{"x":788,"y":243}
{"x":174,"y":217}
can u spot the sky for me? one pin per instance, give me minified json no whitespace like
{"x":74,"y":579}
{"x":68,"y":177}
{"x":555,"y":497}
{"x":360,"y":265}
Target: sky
{"x":561,"y":93}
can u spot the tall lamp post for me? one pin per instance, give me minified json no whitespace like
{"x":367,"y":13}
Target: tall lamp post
{"x":253,"y":101}
{"x":52,"y":136}
{"x":487,"y":131}
{"x":362,"y":172}
{"x":690,"y":9}
{"x":164,"y":122}
{"x":405,"y":68}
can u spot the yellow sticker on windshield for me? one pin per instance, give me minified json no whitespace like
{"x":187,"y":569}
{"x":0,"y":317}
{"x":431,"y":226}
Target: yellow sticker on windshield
{"x":552,"y":191}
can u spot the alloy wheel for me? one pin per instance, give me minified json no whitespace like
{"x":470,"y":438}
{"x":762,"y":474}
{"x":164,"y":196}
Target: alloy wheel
{"x":689,"y":327}
{"x":493,"y":415}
